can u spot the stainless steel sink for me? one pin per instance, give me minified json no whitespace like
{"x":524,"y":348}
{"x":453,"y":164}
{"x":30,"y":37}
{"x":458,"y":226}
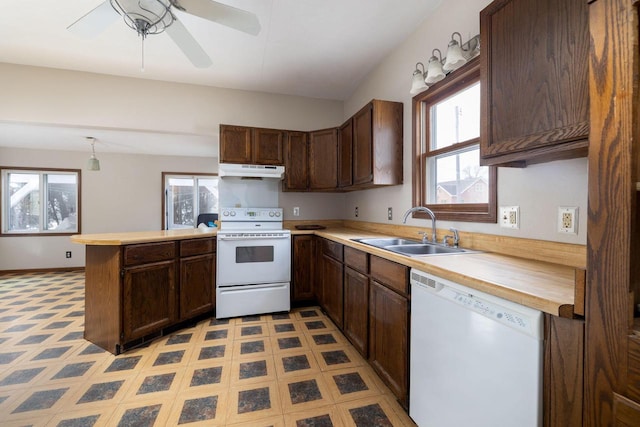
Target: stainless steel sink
{"x":423,"y":249}
{"x":410,"y":247}
{"x":384,"y":242}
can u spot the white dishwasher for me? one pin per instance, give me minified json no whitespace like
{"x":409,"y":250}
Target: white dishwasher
{"x":476,"y":359}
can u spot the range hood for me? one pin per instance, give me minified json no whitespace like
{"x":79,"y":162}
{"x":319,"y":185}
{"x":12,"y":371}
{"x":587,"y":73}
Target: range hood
{"x":250,"y":171}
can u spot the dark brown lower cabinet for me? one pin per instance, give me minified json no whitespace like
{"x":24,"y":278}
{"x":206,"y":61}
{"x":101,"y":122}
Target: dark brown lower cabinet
{"x":388,"y":338}
{"x":133,"y":292}
{"x":149,"y":299}
{"x":356,"y":309}
{"x":302,"y":288}
{"x":332,"y":288}
{"x":563,"y":371}
{"x":197,"y":285}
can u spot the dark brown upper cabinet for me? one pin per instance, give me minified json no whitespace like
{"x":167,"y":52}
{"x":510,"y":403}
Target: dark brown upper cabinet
{"x":345,"y":154}
{"x":296,"y":167}
{"x":534,"y":87}
{"x":366,"y":151}
{"x":370,"y":147}
{"x":323,"y":160}
{"x":241,"y":144}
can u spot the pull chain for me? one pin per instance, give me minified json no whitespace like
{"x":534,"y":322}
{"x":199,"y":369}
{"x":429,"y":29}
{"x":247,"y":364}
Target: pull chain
{"x":142,"y":60}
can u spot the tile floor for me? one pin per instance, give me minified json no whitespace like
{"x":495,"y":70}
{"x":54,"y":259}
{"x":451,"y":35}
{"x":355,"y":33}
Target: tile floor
{"x":292,"y":369}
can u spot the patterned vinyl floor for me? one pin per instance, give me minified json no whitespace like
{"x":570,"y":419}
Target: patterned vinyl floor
{"x":292,"y":369}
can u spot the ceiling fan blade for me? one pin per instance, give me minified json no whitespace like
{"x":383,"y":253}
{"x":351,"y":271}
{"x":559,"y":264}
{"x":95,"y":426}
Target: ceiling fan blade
{"x":188,"y":45}
{"x":221,"y":13}
{"x":94,"y":22}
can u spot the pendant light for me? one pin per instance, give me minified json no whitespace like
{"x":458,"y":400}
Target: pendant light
{"x":93,"y":164}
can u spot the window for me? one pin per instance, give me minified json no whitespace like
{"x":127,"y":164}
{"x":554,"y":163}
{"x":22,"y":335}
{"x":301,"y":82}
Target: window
{"x":447,"y":176}
{"x":186,"y":196}
{"x":40,"y":202}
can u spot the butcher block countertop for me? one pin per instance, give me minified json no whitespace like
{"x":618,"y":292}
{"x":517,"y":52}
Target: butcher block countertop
{"x":128,"y":238}
{"x":545,"y":286}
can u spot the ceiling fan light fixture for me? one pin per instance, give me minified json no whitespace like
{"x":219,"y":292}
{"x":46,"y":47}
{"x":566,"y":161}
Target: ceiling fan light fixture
{"x":145,"y":16}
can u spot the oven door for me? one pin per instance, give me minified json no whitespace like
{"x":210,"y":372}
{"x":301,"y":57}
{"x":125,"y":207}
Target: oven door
{"x":253,"y":258}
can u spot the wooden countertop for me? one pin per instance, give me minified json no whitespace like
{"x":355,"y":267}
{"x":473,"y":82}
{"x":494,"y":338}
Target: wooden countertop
{"x":128,"y":238}
{"x":540,"y":285}
{"x":537,"y":284}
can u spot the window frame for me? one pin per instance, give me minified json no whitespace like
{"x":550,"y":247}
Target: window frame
{"x":458,"y":80}
{"x":164,"y":212}
{"x":40,"y":171}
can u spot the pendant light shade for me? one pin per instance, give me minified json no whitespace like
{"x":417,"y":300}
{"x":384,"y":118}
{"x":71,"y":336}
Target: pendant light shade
{"x":434,"y":68}
{"x":455,"y":57}
{"x":93,"y":164}
{"x":418,"y":83}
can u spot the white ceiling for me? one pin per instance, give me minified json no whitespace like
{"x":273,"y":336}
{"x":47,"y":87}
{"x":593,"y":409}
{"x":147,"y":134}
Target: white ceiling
{"x":313,"y":48}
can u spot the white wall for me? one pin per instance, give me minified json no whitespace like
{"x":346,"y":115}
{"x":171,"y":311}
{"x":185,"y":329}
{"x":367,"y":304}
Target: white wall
{"x":45,"y":95}
{"x":538,"y":189}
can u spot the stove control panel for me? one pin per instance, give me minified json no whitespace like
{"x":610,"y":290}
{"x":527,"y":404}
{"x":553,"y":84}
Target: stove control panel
{"x":251,"y":214}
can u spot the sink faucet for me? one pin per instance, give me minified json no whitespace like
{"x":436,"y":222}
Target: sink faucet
{"x":433,"y":222}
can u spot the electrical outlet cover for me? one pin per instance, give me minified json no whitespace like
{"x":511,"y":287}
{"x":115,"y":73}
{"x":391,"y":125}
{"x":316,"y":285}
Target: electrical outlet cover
{"x":568,"y":220}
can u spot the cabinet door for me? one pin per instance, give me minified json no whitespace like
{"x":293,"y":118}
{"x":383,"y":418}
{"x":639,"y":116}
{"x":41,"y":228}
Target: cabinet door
{"x":332,"y":288}
{"x":149,"y":299}
{"x":541,"y":111}
{"x":563,"y":371}
{"x":323,"y":160}
{"x":268,"y":147}
{"x":388,"y":338}
{"x":197,"y":285}
{"x":235,"y":144}
{"x":363,"y":146}
{"x":296,"y":168}
{"x":345,"y":157}
{"x":356,"y":309}
{"x":303,"y":268}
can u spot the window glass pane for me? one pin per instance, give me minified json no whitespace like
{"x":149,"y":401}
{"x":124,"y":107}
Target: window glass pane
{"x":456,"y":119}
{"x":61,"y":201}
{"x":187,"y":196}
{"x":207,"y":195}
{"x":24,"y":202}
{"x":459,"y":178}
{"x":182,"y":208}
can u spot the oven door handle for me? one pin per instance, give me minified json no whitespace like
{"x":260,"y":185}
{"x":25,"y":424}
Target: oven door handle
{"x":230,"y":239}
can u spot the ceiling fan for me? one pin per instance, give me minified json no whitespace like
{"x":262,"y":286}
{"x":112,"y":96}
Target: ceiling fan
{"x":156,"y":16}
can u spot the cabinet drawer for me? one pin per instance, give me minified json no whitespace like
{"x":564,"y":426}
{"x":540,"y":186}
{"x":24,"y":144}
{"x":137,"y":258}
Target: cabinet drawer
{"x":391,"y":274}
{"x":356,"y":259}
{"x":332,"y":249}
{"x":149,"y":252}
{"x":197,"y":247}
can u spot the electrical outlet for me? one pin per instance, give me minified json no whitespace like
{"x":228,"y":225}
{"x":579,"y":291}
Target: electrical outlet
{"x":389,"y":214}
{"x":68,"y":254}
{"x":510,"y":216}
{"x":356,"y":212}
{"x":296,"y":211}
{"x":568,"y":220}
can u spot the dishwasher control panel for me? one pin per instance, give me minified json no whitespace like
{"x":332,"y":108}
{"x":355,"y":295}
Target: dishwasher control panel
{"x":516,"y":316}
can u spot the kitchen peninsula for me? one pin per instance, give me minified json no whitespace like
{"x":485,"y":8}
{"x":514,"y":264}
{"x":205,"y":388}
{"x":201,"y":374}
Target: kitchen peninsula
{"x":140,"y":284}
